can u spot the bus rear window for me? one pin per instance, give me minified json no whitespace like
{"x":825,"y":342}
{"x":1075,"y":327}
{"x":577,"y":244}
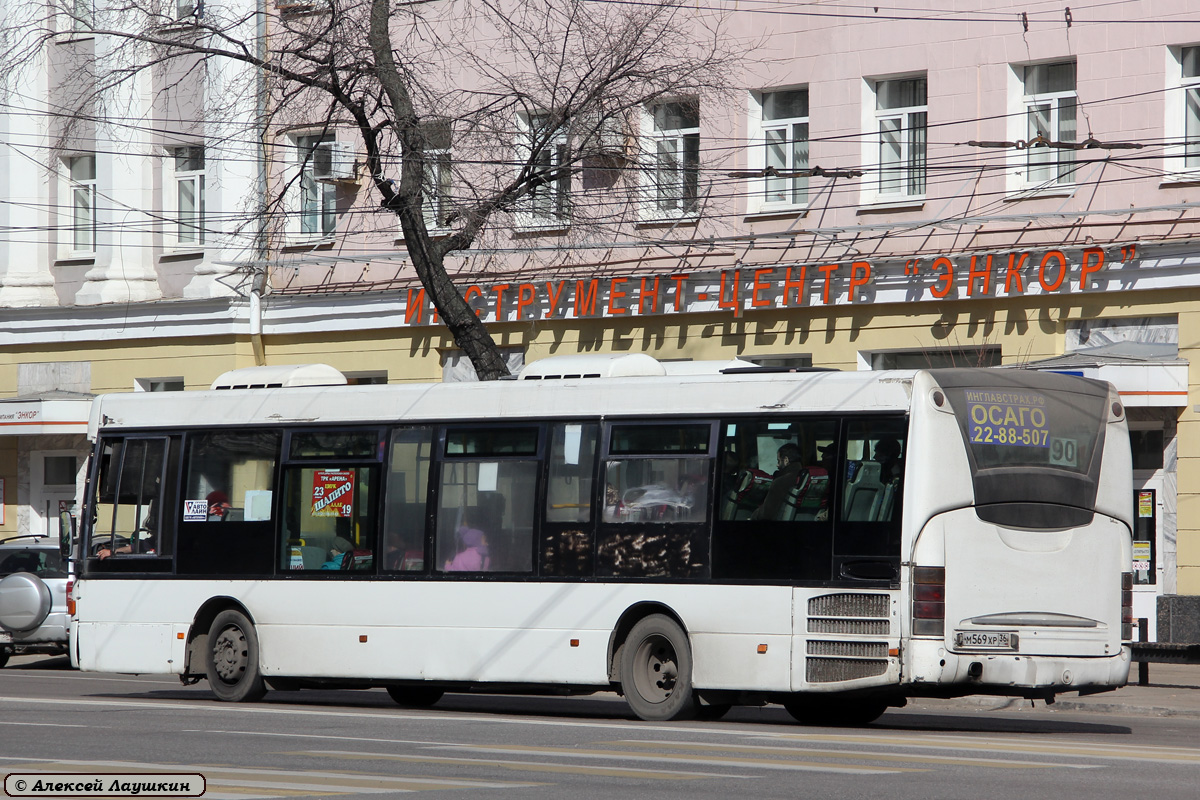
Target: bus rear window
{"x":1030,"y":428}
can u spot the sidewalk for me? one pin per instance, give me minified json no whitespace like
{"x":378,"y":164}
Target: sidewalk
{"x":1174,"y":690}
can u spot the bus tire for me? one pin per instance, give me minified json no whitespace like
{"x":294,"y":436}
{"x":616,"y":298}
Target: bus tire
{"x":232,"y":661}
{"x":414,"y":696}
{"x":3,"y":657}
{"x":834,"y":712}
{"x":656,"y":671}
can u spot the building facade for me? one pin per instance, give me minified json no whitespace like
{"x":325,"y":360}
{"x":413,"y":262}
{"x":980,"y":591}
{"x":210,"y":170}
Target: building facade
{"x":904,"y":188}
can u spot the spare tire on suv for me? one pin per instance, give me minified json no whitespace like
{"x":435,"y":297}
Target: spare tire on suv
{"x":33,"y":597}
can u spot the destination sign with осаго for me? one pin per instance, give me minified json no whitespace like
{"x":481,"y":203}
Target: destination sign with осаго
{"x":1008,"y":418}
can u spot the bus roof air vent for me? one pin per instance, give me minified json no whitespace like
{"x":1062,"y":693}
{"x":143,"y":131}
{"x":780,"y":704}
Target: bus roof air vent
{"x":276,"y":377}
{"x":628,"y":365}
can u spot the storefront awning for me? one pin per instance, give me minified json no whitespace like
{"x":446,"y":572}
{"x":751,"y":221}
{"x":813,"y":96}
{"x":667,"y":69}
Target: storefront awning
{"x":1145,"y":374}
{"x":45,"y":413}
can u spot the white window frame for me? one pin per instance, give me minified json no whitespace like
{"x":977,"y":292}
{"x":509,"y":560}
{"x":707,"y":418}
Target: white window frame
{"x":770,"y":194}
{"x":438,"y":180}
{"x":672,"y":168}
{"x":905,"y":185}
{"x":548,"y":207}
{"x":189,"y":226}
{"x":1181,"y":157}
{"x":1043,"y":170}
{"x":313,"y":206}
{"x":81,"y":227}
{"x":76,"y":19}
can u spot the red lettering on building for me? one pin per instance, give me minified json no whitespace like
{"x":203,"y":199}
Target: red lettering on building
{"x":554,"y":297}
{"x":652,"y":296}
{"x":1014,"y":273}
{"x":799,"y":286}
{"x":758,"y":286}
{"x":679,"y":281}
{"x":945,"y":280}
{"x":733,"y":301}
{"x":1086,"y":269}
{"x":985,"y":274}
{"x":828,"y":269}
{"x":614,"y":296}
{"x":526,"y":295}
{"x":415,"y":308}
{"x":1062,"y":270}
{"x":855,"y":280}
{"x":585,"y":302}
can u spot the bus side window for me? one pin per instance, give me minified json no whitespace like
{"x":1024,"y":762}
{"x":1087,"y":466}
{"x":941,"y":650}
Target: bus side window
{"x":487,"y":500}
{"x":225,"y":519}
{"x":568,"y":533}
{"x":129,"y":508}
{"x":874,"y":472}
{"x":407,"y":495}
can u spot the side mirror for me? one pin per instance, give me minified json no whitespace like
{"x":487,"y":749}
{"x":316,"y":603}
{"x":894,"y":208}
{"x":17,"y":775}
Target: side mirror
{"x":66,"y":533}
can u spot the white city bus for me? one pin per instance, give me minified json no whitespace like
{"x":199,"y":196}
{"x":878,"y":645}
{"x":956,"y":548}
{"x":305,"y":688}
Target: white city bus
{"x":834,"y":542}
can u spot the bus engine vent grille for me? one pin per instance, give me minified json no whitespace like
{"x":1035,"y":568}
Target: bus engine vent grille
{"x":866,"y":627}
{"x":850,"y":605}
{"x":848,"y":649}
{"x":829,"y":662}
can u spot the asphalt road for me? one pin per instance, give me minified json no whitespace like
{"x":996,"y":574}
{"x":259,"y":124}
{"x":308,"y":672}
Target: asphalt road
{"x":344,"y":743}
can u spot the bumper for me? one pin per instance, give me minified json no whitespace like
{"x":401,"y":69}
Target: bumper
{"x":931,"y":671}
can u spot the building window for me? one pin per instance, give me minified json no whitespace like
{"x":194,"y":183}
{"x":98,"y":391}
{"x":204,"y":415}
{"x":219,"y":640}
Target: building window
{"x":366,"y":378}
{"x":901,"y":115}
{"x":189,"y":194}
{"x":457,"y":368}
{"x":1049,"y":99}
{"x":675,"y":137}
{"x":82,"y":171}
{"x":551,"y":181}
{"x":437,"y":134}
{"x":158,"y":385}
{"x":79,"y":16}
{"x":784,"y":146}
{"x":185,"y":10}
{"x":1190,"y":62}
{"x":318,"y":201}
{"x":935,"y":358}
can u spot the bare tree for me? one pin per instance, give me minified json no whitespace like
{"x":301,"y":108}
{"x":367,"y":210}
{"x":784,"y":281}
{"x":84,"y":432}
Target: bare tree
{"x":534,"y":94}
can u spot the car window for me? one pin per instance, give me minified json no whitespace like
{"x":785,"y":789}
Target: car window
{"x":43,"y":562}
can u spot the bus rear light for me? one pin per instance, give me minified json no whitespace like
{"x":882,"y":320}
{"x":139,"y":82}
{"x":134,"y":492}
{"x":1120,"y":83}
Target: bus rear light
{"x":929,"y":601}
{"x":1126,"y":606}
{"x":71,"y":597}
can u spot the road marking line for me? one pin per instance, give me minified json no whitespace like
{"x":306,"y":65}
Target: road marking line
{"x":760,"y":763}
{"x":535,"y":766}
{"x":860,"y":754}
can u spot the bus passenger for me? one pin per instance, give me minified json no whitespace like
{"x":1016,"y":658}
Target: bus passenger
{"x":218,"y":505}
{"x":337,"y":553}
{"x":473,"y":555}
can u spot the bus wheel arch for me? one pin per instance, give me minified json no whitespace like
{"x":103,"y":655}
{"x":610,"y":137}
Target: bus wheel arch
{"x":223,"y":647}
{"x":655,"y":669}
{"x":632,"y":616}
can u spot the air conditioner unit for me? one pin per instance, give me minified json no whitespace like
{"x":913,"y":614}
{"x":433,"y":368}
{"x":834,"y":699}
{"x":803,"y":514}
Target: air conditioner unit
{"x":333,"y":162}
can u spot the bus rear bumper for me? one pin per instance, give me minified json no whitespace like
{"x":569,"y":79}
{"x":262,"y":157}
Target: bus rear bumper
{"x":932,"y":671}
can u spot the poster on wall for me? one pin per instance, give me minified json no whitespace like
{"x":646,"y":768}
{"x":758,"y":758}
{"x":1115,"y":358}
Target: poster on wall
{"x":333,"y":493}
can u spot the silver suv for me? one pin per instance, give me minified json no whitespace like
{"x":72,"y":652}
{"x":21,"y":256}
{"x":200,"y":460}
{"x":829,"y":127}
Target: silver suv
{"x":33,"y":597}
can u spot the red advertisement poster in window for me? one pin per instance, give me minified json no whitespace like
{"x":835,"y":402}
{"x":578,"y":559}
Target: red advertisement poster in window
{"x":333,"y":493}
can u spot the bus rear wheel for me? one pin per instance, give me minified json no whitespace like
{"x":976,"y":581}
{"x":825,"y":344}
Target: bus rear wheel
{"x":656,"y":671}
{"x":414,"y":696}
{"x":834,"y":712}
{"x":232,"y":664}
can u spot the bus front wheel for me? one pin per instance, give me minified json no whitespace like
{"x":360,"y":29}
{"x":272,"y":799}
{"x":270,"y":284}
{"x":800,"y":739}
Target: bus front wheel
{"x":656,"y":671}
{"x":232,"y":664}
